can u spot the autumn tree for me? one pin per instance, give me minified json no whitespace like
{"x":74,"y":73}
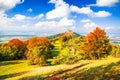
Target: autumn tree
{"x":12,"y":50}
{"x":96,"y":44}
{"x":38,"y":50}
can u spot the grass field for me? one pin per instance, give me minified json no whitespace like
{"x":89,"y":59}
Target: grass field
{"x":14,"y":70}
{"x":95,"y":70}
{"x":98,"y":70}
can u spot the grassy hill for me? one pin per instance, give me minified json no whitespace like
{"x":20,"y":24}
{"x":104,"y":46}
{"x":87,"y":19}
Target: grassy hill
{"x":94,"y":70}
{"x":64,"y":33}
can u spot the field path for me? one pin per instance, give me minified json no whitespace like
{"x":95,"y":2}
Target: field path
{"x":57,"y":76}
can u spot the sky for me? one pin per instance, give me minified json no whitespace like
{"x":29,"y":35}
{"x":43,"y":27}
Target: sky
{"x":47,"y":17}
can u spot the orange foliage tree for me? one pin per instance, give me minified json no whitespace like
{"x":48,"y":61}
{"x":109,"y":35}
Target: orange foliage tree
{"x":96,"y":44}
{"x":38,"y":50}
{"x":14,"y":49}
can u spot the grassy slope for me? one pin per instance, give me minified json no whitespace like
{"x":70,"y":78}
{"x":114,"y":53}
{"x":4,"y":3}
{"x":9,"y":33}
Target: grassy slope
{"x":11,"y":68}
{"x":14,"y":70}
{"x":98,"y":70}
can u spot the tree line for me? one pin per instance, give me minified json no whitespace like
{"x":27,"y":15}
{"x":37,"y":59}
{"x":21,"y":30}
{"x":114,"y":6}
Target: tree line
{"x":37,"y":50}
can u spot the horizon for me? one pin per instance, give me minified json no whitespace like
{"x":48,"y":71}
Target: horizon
{"x":5,"y":38}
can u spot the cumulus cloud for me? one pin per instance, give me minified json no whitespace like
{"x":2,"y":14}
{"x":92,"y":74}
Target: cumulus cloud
{"x":101,"y":14}
{"x":83,"y":10}
{"x":55,"y":26}
{"x":8,"y":4}
{"x":106,"y":2}
{"x":64,"y":22}
{"x":61,"y":10}
{"x":39,"y":16}
{"x":4,"y":21}
{"x":19,"y":17}
{"x":89,"y":12}
{"x":103,"y":3}
{"x":90,"y":25}
{"x":18,"y":22}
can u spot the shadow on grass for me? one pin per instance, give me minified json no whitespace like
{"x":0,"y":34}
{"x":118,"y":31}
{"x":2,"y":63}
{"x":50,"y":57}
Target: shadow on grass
{"x":55,"y":75}
{"x":2,"y":77}
{"x":55,"y":52}
{"x":38,"y":77}
{"x":4,"y":63}
{"x":108,"y":72}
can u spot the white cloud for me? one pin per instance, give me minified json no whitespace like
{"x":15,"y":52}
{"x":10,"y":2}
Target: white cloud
{"x":89,"y":12}
{"x":39,"y":16}
{"x":61,"y":10}
{"x":103,"y":3}
{"x":19,"y":17}
{"x":64,"y":22}
{"x":29,"y":10}
{"x":83,"y":10}
{"x":4,"y":21}
{"x":90,"y":25}
{"x":8,"y":4}
{"x":102,"y":14}
{"x":18,"y":22}
{"x":85,"y":20}
{"x":55,"y":26}
{"x":22,"y":18}
{"x":106,"y":2}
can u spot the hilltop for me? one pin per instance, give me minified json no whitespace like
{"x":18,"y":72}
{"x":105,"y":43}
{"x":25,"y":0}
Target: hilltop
{"x":65,"y":33}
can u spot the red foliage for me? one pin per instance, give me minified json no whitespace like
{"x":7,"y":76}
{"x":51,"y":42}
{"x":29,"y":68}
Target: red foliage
{"x":38,"y":41}
{"x":15,"y":42}
{"x":96,"y":43}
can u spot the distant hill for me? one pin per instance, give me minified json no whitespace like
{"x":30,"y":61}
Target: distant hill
{"x":68,"y":32}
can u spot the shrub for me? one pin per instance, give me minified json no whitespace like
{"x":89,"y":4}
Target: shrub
{"x":115,"y":50}
{"x":65,"y":59}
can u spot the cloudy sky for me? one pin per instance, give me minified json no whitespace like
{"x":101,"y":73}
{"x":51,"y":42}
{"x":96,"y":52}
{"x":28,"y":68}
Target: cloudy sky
{"x":45,"y":17}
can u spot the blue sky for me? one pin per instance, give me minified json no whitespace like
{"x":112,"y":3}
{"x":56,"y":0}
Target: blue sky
{"x":45,"y":17}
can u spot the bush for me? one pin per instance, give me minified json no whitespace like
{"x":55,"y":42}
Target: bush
{"x":115,"y":50}
{"x":65,"y":59}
